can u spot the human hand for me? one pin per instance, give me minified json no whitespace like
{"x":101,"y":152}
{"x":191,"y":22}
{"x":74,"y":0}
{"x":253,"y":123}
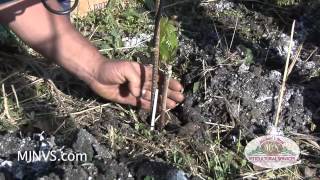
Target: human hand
{"x":130,"y":83}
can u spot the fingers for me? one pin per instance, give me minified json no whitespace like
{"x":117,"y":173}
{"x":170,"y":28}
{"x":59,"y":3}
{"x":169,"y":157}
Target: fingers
{"x":141,"y":76}
{"x":175,"y":85}
{"x":133,"y":76}
{"x":177,"y":97}
{"x":134,"y":101}
{"x":173,"y":98}
{"x":171,"y":104}
{"x":146,"y":104}
{"x":138,"y":76}
{"x":146,"y":95}
{"x":140,"y":85}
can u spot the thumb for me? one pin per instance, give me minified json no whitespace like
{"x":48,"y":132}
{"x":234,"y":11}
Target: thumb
{"x":134,"y":89}
{"x":132,"y":74}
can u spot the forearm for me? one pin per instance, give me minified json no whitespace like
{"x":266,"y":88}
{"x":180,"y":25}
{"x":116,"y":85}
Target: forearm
{"x":54,"y":37}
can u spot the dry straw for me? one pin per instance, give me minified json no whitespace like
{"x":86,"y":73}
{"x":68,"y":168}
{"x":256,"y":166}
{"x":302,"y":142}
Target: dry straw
{"x":285,"y":77}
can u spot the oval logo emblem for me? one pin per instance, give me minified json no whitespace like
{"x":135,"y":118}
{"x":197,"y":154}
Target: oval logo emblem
{"x":272,"y":151}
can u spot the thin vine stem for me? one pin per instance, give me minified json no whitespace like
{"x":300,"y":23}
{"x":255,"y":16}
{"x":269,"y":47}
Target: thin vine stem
{"x":156,"y":53}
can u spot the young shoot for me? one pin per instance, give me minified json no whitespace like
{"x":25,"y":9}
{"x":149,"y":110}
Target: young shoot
{"x":168,"y":48}
{"x":168,"y":41}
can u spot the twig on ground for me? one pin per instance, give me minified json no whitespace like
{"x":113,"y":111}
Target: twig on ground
{"x":216,"y":124}
{"x":218,"y":36}
{"x":204,"y":65}
{"x":34,"y":97}
{"x":94,"y":31}
{"x":90,"y":109}
{"x":234,"y":32}
{"x":314,"y":51}
{"x":27,"y":85}
{"x":143,"y":143}
{"x":8,"y":77}
{"x":60,"y":126}
{"x":295,"y":59}
{"x":252,"y":175}
{"x":6,"y":107}
{"x":264,"y":3}
{"x":15,"y":96}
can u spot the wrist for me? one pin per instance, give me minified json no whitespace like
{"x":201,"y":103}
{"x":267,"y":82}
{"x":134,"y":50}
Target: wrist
{"x":85,"y":68}
{"x":90,"y":70}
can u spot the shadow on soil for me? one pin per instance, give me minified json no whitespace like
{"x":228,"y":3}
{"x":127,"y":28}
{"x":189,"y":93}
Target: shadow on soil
{"x":312,"y":100}
{"x":306,"y":12}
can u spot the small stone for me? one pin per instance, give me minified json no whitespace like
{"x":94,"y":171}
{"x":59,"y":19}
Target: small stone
{"x":309,"y":65}
{"x":243,"y":68}
{"x":84,"y":143}
{"x":87,"y":143}
{"x":275,"y":75}
{"x":76,"y":174}
{"x":223,"y":6}
{"x":157,"y":170}
{"x":310,"y":172}
{"x":51,"y":176}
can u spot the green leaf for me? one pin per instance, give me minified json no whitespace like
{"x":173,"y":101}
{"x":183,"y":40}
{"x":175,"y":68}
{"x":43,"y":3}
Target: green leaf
{"x":243,"y":162}
{"x":248,"y":54}
{"x":271,"y":175}
{"x":249,"y":57}
{"x":131,"y":15}
{"x":148,"y":178}
{"x":196,"y":87}
{"x":168,"y":40}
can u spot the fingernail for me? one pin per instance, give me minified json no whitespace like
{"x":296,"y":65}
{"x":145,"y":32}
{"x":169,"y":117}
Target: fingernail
{"x":143,"y":92}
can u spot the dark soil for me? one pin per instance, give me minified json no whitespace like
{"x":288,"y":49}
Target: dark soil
{"x":100,"y":164}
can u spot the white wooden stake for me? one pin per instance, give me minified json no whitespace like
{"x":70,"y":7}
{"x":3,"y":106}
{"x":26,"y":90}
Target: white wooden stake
{"x":154,"y":109}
